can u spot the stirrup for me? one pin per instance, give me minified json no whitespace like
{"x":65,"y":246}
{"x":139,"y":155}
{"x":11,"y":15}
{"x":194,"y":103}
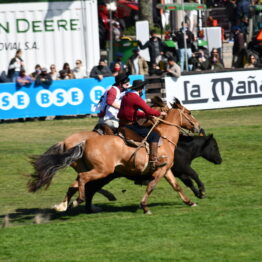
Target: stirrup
{"x":154,"y":165}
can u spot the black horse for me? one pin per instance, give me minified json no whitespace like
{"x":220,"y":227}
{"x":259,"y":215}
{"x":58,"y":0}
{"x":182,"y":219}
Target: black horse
{"x":188,"y":148}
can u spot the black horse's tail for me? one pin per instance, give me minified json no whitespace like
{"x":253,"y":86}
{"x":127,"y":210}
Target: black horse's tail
{"x":50,"y":162}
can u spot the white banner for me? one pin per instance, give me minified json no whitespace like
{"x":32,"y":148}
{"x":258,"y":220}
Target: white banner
{"x":216,"y":90}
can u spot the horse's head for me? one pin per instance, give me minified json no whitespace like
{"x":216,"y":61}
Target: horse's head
{"x":187,"y":120}
{"x":210,"y":150}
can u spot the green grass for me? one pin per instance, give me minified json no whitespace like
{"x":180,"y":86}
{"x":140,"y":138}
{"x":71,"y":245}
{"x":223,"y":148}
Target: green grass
{"x":224,"y":227}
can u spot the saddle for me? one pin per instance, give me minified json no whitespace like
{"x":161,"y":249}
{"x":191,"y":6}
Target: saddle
{"x":103,"y":129}
{"x":130,"y":137}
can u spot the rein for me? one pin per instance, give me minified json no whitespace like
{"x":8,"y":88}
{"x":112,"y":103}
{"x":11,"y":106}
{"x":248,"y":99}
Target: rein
{"x":158,"y":119}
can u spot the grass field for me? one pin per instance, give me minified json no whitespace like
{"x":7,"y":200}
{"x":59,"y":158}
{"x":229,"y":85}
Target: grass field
{"x":224,"y":227}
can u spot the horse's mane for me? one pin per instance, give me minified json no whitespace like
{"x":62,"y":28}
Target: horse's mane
{"x":157,"y":102}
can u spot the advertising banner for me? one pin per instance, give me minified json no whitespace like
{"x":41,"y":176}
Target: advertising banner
{"x":216,"y":90}
{"x":62,"y":97}
{"x":49,"y":32}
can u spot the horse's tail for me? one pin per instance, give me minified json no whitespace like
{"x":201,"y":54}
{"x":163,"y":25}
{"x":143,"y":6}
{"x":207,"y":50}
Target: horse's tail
{"x":47,"y":164}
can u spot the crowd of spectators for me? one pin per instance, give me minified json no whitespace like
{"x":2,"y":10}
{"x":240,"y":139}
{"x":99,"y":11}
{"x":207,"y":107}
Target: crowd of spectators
{"x":164,"y":59}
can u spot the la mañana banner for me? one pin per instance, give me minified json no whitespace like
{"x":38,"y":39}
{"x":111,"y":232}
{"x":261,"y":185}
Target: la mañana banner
{"x":62,"y":97}
{"x":216,"y":90}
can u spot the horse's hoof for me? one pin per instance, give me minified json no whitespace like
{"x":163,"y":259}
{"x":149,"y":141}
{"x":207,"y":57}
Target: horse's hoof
{"x":148,"y":212}
{"x":96,"y":209}
{"x":74,"y":204}
{"x":193,"y":205}
{"x":60,"y":207}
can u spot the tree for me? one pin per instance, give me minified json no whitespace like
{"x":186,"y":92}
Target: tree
{"x":146,"y":13}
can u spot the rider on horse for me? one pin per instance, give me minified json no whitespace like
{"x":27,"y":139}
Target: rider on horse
{"x":129,"y":113}
{"x":111,"y":100}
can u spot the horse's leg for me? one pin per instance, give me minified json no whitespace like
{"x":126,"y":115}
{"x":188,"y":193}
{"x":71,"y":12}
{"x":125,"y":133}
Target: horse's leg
{"x":172,"y":181}
{"x":86,"y":177}
{"x":189,"y":183}
{"x":150,"y":187}
{"x":96,"y":186}
{"x":193,"y":174}
{"x":78,"y":166}
{"x":73,"y":188}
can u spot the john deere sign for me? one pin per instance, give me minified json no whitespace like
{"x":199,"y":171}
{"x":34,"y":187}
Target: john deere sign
{"x":22,"y":25}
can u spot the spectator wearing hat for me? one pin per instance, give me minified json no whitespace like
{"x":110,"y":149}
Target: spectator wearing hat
{"x":101,"y":70}
{"x":155,"y":46}
{"x":109,"y":103}
{"x":173,"y":69}
{"x":134,"y":107}
{"x":23,"y":79}
{"x":136,"y":64}
{"x":43,"y":79}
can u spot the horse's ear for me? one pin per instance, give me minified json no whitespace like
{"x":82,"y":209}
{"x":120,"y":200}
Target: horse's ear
{"x":157,"y":101}
{"x":202,"y":132}
{"x":176,"y":102}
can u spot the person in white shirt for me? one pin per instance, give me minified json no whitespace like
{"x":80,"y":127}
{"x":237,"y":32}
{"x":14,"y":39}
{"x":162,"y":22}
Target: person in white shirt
{"x":79,"y":71}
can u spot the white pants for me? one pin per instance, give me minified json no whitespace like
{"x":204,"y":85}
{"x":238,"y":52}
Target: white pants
{"x":110,"y":122}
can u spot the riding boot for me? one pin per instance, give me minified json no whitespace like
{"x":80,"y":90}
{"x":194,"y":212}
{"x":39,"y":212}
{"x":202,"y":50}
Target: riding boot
{"x":154,"y":163}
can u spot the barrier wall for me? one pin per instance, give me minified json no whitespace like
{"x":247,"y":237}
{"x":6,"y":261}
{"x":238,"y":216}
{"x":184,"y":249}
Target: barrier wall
{"x":63,"y":97}
{"x":216,"y":90}
{"x":79,"y":96}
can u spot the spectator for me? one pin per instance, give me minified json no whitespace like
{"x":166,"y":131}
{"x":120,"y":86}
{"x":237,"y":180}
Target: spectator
{"x":216,"y":52}
{"x":69,"y":72}
{"x":155,"y":70}
{"x":238,"y":47}
{"x":119,"y":57}
{"x":243,"y":8}
{"x":173,"y":68}
{"x":199,"y":61}
{"x":101,"y":71}
{"x":23,"y":79}
{"x":116,"y":29}
{"x":215,"y":64}
{"x":154,"y":45}
{"x":53,"y":72}
{"x":63,"y":75}
{"x":36,"y":72}
{"x":136,"y":64}
{"x":184,"y":51}
{"x":252,"y":62}
{"x":43,"y":79}
{"x":117,"y":69}
{"x":79,"y":71}
{"x":15,"y":66}
{"x":231,"y":12}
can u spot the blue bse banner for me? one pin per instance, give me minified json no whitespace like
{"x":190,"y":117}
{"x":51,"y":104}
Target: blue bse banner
{"x":63,"y":97}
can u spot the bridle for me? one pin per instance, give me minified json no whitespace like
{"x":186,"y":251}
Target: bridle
{"x":156,"y":122}
{"x":158,"y":119}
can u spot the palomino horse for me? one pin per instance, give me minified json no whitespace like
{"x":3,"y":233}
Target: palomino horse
{"x":188,"y":148}
{"x":100,"y":161}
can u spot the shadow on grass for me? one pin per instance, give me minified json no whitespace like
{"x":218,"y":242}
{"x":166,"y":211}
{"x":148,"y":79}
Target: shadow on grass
{"x":28,"y":215}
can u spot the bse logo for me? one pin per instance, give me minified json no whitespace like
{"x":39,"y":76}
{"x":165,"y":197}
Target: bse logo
{"x":60,"y":97}
{"x":18,"y":100}
{"x":44,"y":98}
